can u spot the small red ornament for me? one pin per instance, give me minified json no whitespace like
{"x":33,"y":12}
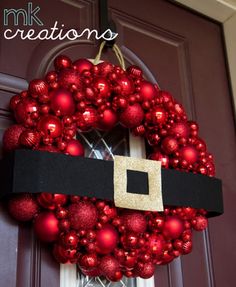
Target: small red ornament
{"x":88,"y":261}
{"x":134,"y":71}
{"x":126,"y":85}
{"x":89,"y":118}
{"x":51,"y":201}
{"x":25,"y":111}
{"x":62,"y":102}
{"x":30,"y":138}
{"x":187,"y":247}
{"x":104,"y":68}
{"x":200,"y":223}
{"x":109,"y":266}
{"x":82,"y":215}
{"x":107,"y":239}
{"x":147,"y":91}
{"x":14,"y":101}
{"x":70,"y":239}
{"x":107,"y":120}
{"x":38,"y":88}
{"x":159,"y":116}
{"x":173,"y":227}
{"x":46,"y":226}
{"x":169,"y":145}
{"x":62,"y":62}
{"x":102,"y":85}
{"x":95,"y":272}
{"x":134,"y":221}
{"x":11,"y":137}
{"x":74,"y":148}
{"x":69,"y":77}
{"x":23,"y":207}
{"x":156,"y":244}
{"x":190,"y":154}
{"x":160,"y":157}
{"x":132,"y":116}
{"x":82,"y":65}
{"x":50,"y":126}
{"x":146,"y":270}
{"x":180,"y":129}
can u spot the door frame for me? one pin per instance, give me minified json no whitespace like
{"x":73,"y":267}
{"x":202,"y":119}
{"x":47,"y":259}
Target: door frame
{"x":224,"y":12}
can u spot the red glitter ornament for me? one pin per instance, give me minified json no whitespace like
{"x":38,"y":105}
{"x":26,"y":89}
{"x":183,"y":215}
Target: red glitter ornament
{"x":180,"y":129}
{"x":88,"y":261}
{"x":109,"y":266}
{"x":82,"y":215}
{"x":38,"y":88}
{"x":156,"y":244}
{"x":11,"y":137}
{"x":200,"y":223}
{"x":134,"y":221}
{"x":146,"y":270}
{"x":107,"y":239}
{"x":69,"y":77}
{"x":46,"y":226}
{"x":23,"y":207}
{"x":62,"y":102}
{"x":50,"y":126}
{"x":132,"y":116}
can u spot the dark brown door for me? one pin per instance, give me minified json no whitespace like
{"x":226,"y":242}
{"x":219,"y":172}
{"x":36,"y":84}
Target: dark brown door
{"x":185,"y":54}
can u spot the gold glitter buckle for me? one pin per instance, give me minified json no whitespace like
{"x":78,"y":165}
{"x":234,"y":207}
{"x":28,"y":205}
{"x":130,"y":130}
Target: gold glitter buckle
{"x":153,"y":201}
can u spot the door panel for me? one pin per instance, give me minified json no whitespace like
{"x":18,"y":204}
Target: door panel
{"x":185,"y":54}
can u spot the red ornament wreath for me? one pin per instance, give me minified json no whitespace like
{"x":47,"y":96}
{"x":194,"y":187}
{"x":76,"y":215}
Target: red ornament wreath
{"x":100,"y":238}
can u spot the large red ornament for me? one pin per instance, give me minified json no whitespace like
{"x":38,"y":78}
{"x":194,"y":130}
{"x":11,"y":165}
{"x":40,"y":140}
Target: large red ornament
{"x":132,"y":116}
{"x":69,"y":77}
{"x":109,"y":266}
{"x":11,"y":137}
{"x":107,"y":120}
{"x":50,"y":126}
{"x":62,"y":102}
{"x":107,"y":239}
{"x":82,"y":215}
{"x":134,"y":221}
{"x":23,"y":207}
{"x":46,"y":226}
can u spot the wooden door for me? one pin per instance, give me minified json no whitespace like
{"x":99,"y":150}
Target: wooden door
{"x":184,"y":52}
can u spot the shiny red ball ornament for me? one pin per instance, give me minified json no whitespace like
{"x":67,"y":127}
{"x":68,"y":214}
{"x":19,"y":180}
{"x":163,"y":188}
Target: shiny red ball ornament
{"x":82,"y":215}
{"x":189,"y":154}
{"x":60,"y":254}
{"x":62,"y":102}
{"x":82,"y":65}
{"x":30,"y":139}
{"x":107,"y":239}
{"x":46,"y":226}
{"x":180,"y":130}
{"x":108,"y":266}
{"x":147,"y":91}
{"x":200,"y":223}
{"x":25,"y":110}
{"x":159,"y":116}
{"x":130,"y":240}
{"x":50,"y":126}
{"x":38,"y":88}
{"x":89,"y":117}
{"x":134,"y":221}
{"x":74,"y":148}
{"x":146,"y":271}
{"x":70,"y":239}
{"x":88,"y":261}
{"x":132,"y":116}
{"x":173,"y":227}
{"x":126,"y":85}
{"x":11,"y":138}
{"x":62,"y":62}
{"x":23,"y":207}
{"x":51,"y":201}
{"x":160,"y":157}
{"x":107,"y":120}
{"x":156,"y":244}
{"x":104,"y":68}
{"x":14,"y":101}
{"x":69,"y":77}
{"x":169,"y":145}
{"x":103,"y":87}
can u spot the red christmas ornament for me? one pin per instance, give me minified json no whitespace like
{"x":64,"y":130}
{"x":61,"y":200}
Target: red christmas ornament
{"x":48,"y":148}
{"x":173,"y":227}
{"x":109,"y":266}
{"x":134,"y":71}
{"x":38,"y":88}
{"x":104,"y":68}
{"x":160,"y":157}
{"x":50,"y":126}
{"x":11,"y":137}
{"x":25,"y":111}
{"x":107,"y":120}
{"x":46,"y":226}
{"x":180,"y":130}
{"x":82,"y":65}
{"x":62,"y":102}
{"x":190,"y":154}
{"x":51,"y":201}
{"x":134,"y":221}
{"x":69,"y":77}
{"x":147,"y":91}
{"x":169,"y":145}
{"x":132,"y":116}
{"x":62,"y":62}
{"x":95,"y":272}
{"x":159,"y":116}
{"x":30,"y":138}
{"x":74,"y":148}
{"x":23,"y":207}
{"x":107,"y":239}
{"x":200,"y":223}
{"x":187,"y":247}
{"x":82,"y":215}
{"x":146,"y":270}
{"x":88,"y":261}
{"x":156,"y":244}
{"x":70,"y":239}
{"x":102,"y":85}
{"x":14,"y":101}
{"x":126,"y":85}
{"x":89,"y":118}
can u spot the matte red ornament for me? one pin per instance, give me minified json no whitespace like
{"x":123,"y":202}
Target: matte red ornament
{"x":126,"y":85}
{"x":190,"y":154}
{"x":169,"y":145}
{"x":23,"y":207}
{"x":107,"y":120}
{"x":82,"y":65}
{"x":82,"y":215}
{"x":74,"y":148}
{"x":46,"y":226}
{"x":109,"y":266}
{"x":38,"y":88}
{"x":147,"y":91}
{"x":50,"y":126}
{"x":132,"y":116}
{"x":30,"y":138}
{"x":146,"y":270}
{"x":103,"y":87}
{"x":62,"y":101}
{"x":11,"y":137}
{"x":62,"y":62}
{"x":134,"y":221}
{"x":173,"y":227}
{"x":25,"y":110}
{"x":107,"y":239}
